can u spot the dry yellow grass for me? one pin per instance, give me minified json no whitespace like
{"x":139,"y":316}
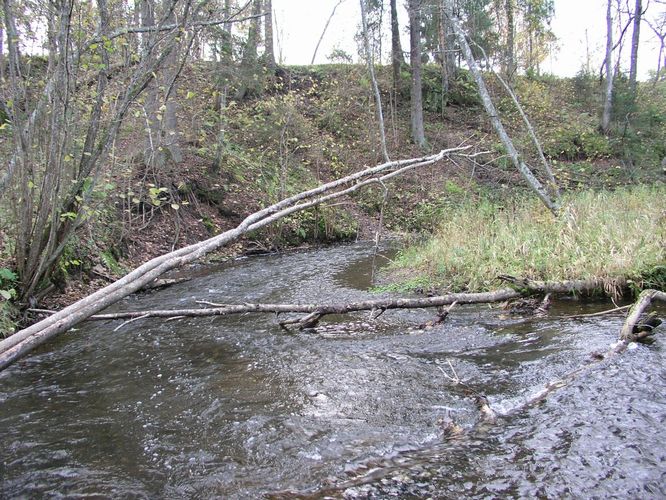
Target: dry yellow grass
{"x":616,"y":236}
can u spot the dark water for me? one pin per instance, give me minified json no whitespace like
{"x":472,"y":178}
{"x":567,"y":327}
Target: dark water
{"x":236,"y":408}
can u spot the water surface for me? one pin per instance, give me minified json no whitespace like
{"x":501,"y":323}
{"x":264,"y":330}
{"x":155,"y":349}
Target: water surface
{"x":236,"y":408}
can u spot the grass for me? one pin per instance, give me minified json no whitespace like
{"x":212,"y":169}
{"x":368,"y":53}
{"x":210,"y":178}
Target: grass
{"x":615,"y":236}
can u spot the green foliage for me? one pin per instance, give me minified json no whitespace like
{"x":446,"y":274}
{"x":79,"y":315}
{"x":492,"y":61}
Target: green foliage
{"x":8,"y":293}
{"x":575,"y":141}
{"x":8,"y":281}
{"x":109,"y":261}
{"x":641,"y":138}
{"x":653,"y":277}
{"x":464,"y":91}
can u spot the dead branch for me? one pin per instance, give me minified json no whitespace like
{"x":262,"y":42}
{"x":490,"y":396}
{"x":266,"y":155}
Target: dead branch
{"x":373,"y":471}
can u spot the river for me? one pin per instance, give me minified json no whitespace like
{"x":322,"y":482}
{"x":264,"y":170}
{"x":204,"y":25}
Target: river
{"x":237,"y":408}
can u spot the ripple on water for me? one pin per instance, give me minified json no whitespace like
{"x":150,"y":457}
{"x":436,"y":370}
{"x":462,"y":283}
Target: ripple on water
{"x":234,"y":407}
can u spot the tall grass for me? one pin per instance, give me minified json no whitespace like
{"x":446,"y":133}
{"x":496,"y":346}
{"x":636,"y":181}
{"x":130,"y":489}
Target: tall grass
{"x":616,"y":236}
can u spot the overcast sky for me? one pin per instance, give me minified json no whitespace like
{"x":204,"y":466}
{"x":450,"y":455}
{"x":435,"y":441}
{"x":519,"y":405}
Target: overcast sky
{"x":300,"y":24}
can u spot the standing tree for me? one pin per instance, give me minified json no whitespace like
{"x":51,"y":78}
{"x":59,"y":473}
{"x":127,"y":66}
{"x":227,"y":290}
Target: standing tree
{"x":608,"y":89}
{"x":635,"y":38}
{"x":269,"y":52}
{"x":536,"y":34}
{"x":162,"y":144}
{"x":371,"y":70}
{"x":248,"y":84}
{"x":63,"y":134}
{"x":446,"y":45}
{"x":416,"y":94}
{"x":510,"y":50}
{"x":397,"y":56}
{"x":658,"y":26}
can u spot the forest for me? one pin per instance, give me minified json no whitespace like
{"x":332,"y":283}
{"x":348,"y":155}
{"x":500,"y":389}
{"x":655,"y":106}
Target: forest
{"x":145,"y":143}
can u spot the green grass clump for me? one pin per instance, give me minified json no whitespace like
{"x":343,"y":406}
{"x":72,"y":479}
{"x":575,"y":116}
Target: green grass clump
{"x":617,"y":237}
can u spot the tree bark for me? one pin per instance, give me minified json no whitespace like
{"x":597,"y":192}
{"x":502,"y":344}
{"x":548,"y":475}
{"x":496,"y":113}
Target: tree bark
{"x":248,"y":85}
{"x":523,"y":288}
{"x":416,"y":95}
{"x":375,"y":88}
{"x":644,"y":301}
{"x":320,"y":309}
{"x":2,"y":52}
{"x":510,"y":41}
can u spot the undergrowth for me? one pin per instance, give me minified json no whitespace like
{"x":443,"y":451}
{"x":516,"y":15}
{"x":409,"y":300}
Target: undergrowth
{"x":616,"y":236}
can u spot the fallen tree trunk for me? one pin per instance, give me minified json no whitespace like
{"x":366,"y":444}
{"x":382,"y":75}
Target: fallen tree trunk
{"x":644,"y":301}
{"x":552,"y":202}
{"x":318,"y":309}
{"x":22,"y":342}
{"x":375,"y":470}
{"x":523,"y":287}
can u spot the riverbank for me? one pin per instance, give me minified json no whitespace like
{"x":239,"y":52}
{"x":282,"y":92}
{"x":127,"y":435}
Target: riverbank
{"x":616,"y":237}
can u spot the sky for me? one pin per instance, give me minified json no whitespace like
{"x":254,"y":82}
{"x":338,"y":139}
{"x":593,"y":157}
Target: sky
{"x":300,"y":24}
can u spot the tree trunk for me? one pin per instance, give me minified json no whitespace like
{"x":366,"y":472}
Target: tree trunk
{"x":510,"y":41}
{"x":150,"y":152}
{"x":323,"y":32}
{"x":253,"y":37}
{"x":416,"y":95}
{"x":397,"y":56}
{"x":633,"y":69}
{"x":2,"y":53}
{"x":248,"y":84}
{"x":645,"y":299}
{"x":375,"y":87}
{"x":269,"y":54}
{"x":608,"y":90}
{"x":533,"y":182}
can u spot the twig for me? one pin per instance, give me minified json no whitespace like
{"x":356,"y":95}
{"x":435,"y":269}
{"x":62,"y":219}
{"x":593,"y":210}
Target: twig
{"x":600,"y":313}
{"x":130,"y":321}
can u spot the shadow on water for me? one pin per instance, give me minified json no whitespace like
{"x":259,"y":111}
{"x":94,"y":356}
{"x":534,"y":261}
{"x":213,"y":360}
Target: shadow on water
{"x":236,"y":408}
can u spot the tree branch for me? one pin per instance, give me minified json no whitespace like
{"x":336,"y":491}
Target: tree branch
{"x":22,"y":342}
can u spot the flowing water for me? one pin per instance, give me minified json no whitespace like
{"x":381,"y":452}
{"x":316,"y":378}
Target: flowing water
{"x":237,"y":408}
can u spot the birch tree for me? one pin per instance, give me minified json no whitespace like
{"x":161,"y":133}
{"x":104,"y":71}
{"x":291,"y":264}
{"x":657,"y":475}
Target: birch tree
{"x":373,"y":79}
{"x":548,"y":195}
